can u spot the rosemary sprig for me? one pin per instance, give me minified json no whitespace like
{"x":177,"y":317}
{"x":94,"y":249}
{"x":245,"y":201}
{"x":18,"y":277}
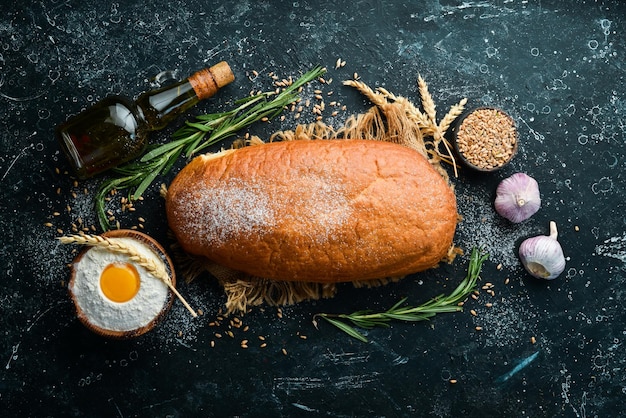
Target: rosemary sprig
{"x":194,"y":137}
{"x":367,"y":319}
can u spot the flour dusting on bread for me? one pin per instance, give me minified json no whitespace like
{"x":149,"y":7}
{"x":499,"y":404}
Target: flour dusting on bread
{"x":213,"y":215}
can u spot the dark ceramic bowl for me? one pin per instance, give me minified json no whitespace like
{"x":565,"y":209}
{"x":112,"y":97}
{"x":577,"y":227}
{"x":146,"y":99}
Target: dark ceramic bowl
{"x":482,"y":151}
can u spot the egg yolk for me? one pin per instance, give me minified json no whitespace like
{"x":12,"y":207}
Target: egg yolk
{"x":119,"y":282}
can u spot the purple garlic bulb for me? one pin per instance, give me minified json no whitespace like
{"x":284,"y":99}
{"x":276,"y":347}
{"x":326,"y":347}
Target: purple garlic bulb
{"x":517,"y":197}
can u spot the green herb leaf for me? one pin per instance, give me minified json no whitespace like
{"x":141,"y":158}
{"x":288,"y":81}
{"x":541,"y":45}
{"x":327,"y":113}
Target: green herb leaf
{"x":200,"y":126}
{"x":440,"y":304}
{"x":145,"y":183}
{"x":397,"y":305}
{"x":345,"y":328}
{"x":160,"y":150}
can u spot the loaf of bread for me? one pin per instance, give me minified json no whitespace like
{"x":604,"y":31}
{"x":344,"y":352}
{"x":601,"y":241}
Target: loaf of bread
{"x":315,"y":211}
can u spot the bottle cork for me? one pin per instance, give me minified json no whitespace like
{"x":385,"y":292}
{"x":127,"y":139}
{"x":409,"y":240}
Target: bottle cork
{"x":208,"y":81}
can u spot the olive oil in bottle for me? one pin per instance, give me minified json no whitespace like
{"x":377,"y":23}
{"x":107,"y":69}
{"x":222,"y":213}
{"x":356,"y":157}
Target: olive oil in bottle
{"x":115,"y":130}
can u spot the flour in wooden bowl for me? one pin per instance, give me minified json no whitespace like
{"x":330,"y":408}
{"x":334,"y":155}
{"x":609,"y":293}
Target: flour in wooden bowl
{"x":118,"y":310}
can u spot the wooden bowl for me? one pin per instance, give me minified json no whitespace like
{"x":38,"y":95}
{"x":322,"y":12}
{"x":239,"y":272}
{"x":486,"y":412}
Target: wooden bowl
{"x":111,"y":332}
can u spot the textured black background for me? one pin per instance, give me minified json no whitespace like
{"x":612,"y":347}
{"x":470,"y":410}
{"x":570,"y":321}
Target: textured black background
{"x":556,"y":66}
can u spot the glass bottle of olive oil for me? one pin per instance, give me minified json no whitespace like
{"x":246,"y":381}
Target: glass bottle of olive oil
{"x":115,"y":130}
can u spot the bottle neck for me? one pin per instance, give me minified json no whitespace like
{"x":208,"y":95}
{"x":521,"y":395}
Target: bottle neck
{"x":159,"y":107}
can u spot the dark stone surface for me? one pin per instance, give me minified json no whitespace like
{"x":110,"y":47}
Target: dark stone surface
{"x":556,"y":67}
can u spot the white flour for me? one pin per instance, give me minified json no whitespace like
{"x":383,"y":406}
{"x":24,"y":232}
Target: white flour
{"x":227,"y":209}
{"x":127,"y":316}
{"x":235,"y":208}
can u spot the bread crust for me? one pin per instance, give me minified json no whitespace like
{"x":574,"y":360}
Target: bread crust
{"x":316,"y":211}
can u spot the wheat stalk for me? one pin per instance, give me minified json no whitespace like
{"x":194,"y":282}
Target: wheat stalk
{"x":427,"y":101}
{"x":117,"y":246}
{"x":426,"y":120}
{"x":454,"y":112}
{"x":376,"y":98}
{"x":412,"y":112}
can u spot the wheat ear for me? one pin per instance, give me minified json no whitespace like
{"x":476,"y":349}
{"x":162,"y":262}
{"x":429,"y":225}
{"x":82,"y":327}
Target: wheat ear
{"x":454,"y":112}
{"x":427,"y":101}
{"x":443,"y":126}
{"x":117,"y":246}
{"x":426,"y":120}
{"x":376,"y":98}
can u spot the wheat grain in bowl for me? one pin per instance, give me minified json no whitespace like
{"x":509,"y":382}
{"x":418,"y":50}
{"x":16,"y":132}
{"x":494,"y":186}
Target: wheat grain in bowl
{"x":485,"y":139}
{"x":115,"y":284}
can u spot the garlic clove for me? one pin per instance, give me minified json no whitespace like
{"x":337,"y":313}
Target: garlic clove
{"x":542,"y":256}
{"x":517,"y":197}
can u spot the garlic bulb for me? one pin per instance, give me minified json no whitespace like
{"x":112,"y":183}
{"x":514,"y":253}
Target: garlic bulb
{"x":517,"y":197}
{"x":542,"y":256}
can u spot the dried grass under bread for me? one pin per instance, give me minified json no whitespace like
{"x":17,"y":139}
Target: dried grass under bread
{"x":391,"y":119}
